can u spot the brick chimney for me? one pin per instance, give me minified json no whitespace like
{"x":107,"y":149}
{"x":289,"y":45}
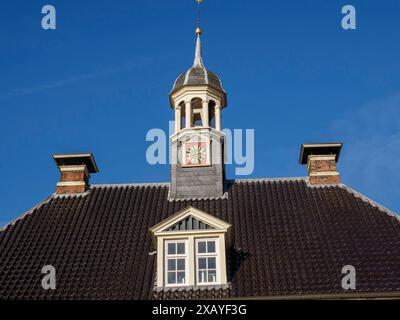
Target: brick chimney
{"x":321,"y":159}
{"x":75,"y":170}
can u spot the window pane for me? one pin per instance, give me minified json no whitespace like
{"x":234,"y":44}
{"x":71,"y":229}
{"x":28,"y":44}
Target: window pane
{"x":171,"y":248}
{"x":202,"y":263}
{"x":180,"y":248}
{"x":212,"y":276}
{"x":181,"y":277}
{"x":201,"y":247}
{"x":171,"y":277}
{"x":171,"y":264}
{"x":202,"y":276}
{"x":180,"y":264}
{"x":211,"y":263}
{"x":211,"y":246}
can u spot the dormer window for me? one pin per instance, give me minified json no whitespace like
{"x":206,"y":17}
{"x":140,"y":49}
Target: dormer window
{"x":176,"y":262}
{"x":191,"y":249}
{"x":206,"y":259}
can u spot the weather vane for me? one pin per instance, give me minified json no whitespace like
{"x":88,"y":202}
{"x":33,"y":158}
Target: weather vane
{"x":198,"y":29}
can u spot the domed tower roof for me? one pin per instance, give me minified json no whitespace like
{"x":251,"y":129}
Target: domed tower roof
{"x":198,"y":74}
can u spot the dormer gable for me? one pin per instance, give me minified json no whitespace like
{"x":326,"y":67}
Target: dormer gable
{"x":191,"y":249}
{"x":190,"y":219}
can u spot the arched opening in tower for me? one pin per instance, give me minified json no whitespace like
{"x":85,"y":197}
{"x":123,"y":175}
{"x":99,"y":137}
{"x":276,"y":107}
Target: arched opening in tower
{"x":197,"y":113}
{"x":211,"y":113}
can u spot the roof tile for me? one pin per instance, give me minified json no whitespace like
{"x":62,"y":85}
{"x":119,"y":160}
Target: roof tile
{"x":288,"y":238}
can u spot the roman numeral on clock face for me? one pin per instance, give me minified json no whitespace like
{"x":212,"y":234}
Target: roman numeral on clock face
{"x":195,"y":153}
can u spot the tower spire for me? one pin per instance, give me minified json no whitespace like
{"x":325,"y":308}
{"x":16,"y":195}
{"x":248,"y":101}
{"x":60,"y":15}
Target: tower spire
{"x":198,"y":60}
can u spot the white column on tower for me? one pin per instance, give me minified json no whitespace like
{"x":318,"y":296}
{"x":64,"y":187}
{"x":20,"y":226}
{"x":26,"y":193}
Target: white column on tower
{"x":206,"y":121}
{"x":188,"y":114}
{"x":218,"y":117}
{"x":177,"y":119}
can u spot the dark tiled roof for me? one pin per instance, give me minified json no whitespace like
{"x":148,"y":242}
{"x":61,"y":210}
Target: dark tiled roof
{"x":289,"y":239}
{"x":198,"y":76}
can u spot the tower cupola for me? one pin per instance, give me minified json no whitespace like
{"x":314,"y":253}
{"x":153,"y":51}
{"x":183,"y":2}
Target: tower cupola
{"x":197,"y":95}
{"x":197,"y":146}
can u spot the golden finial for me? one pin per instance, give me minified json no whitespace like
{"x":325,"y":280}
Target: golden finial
{"x":198,"y":29}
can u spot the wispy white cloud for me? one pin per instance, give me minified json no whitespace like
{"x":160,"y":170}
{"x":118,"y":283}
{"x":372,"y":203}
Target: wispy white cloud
{"x":69,"y":80}
{"x":371,"y":155}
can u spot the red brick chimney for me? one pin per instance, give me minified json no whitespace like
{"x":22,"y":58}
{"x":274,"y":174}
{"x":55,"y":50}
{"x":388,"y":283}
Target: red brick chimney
{"x":75,"y":172}
{"x":321,"y":159}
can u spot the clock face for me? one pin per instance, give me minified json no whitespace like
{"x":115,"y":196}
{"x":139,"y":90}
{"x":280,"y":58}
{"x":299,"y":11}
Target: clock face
{"x":196,"y":153}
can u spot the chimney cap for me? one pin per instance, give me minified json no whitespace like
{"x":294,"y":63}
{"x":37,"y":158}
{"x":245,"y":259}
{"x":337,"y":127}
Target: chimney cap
{"x":319,"y":149}
{"x":73,"y":159}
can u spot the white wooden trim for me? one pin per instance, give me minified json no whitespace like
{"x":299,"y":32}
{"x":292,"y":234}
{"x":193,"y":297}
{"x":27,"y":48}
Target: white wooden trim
{"x":324,"y":173}
{"x":208,"y":255}
{"x":70,"y":183}
{"x":72,"y":168}
{"x":176,"y":256}
{"x":191,"y":259}
{"x":196,"y":213}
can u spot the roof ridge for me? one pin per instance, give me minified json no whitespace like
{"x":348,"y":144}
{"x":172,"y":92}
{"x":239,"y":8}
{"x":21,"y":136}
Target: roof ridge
{"x":67,"y":195}
{"x":370,"y":201}
{"x":26,"y":213}
{"x":156,"y":184}
{"x":269,"y":179}
{"x":139,"y":184}
{"x":224,"y":196}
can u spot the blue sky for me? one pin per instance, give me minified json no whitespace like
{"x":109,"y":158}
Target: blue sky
{"x":101,"y":80}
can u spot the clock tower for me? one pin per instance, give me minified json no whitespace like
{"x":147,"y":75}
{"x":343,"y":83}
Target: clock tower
{"x":197,"y":146}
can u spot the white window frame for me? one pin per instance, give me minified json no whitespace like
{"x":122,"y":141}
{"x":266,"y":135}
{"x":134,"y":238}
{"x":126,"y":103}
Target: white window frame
{"x":176,"y":256}
{"x":207,"y":255}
